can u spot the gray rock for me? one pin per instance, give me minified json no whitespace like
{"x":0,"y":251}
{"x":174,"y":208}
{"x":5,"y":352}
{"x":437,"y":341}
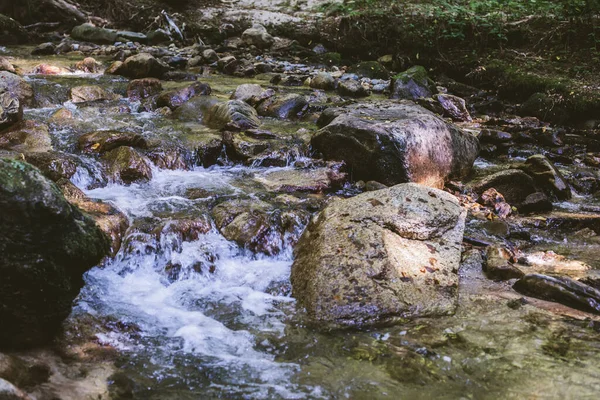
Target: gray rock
{"x":412,"y":84}
{"x":90,"y":33}
{"x":44,"y":49}
{"x":46,"y":245}
{"x":392,"y":253}
{"x":233,"y":114}
{"x":129,"y":36}
{"x":11,"y":110}
{"x":394,"y":142}
{"x":352,"y":88}
{"x":258,"y":36}
{"x":515,"y":185}
{"x":17,"y":86}
{"x":80,"y":94}
{"x":210,"y":55}
{"x":287,"y":106}
{"x":127,"y":165}
{"x":158,"y":36}
{"x":250,"y":93}
{"x":454,"y":107}
{"x":547,"y":177}
{"x":142,"y":65}
{"x":323,"y":81}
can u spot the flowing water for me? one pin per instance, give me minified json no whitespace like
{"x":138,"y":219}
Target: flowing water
{"x":223,"y":324}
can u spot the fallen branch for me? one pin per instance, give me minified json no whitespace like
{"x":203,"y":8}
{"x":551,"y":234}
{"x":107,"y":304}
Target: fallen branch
{"x":42,"y":25}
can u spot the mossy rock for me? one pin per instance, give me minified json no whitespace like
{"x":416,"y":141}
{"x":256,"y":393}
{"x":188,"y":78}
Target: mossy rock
{"x":371,"y":69}
{"x":11,"y":32}
{"x":329,"y":59}
{"x":414,"y":83}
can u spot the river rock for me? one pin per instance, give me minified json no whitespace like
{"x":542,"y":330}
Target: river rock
{"x":48,"y":69}
{"x":302,"y":180}
{"x":127,"y":165}
{"x":195,"y":109}
{"x":392,"y":253}
{"x":250,"y":93}
{"x":46,"y":245}
{"x":258,"y":36}
{"x":258,"y":226}
{"x":44,"y":49}
{"x":112,"y":221}
{"x":562,"y":290}
{"x":412,"y":84}
{"x":370,"y":69}
{"x":499,"y":266}
{"x":544,"y":107}
{"x":26,"y":136}
{"x":17,"y":86}
{"x":158,"y":36}
{"x":6,"y":65}
{"x":142,"y":65}
{"x":90,"y":33}
{"x":139,"y":89}
{"x":547,"y":177}
{"x":175,"y":98}
{"x":287,"y":106}
{"x":233,"y":114}
{"x":515,"y":185}
{"x":323,"y":81}
{"x":88,"y":65}
{"x":12,"y":32}
{"x":103,"y":141}
{"x":454,"y":107}
{"x":210,"y":55}
{"x":352,"y":88}
{"x":55,"y":165}
{"x":394,"y":142}
{"x":11,"y":110}
{"x":80,"y":94}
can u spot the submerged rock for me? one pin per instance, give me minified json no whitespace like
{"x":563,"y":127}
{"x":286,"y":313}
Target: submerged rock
{"x":394,"y":142}
{"x":381,"y":255}
{"x":88,"y":65}
{"x":46,"y":245}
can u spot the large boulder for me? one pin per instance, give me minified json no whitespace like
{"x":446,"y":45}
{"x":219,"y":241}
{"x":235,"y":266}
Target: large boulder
{"x":382,"y":255}
{"x":395,"y":142}
{"x":46,"y":244}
